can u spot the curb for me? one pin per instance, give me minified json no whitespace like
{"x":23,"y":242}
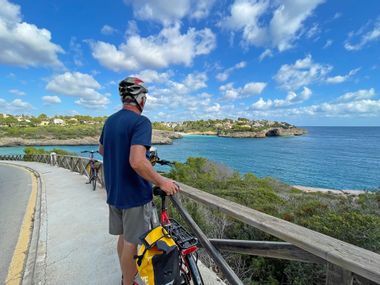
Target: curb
{"x":34,"y":264}
{"x":35,"y":268}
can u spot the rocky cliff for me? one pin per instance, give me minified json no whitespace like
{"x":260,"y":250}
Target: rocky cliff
{"x":269,"y":132}
{"x":158,"y":137}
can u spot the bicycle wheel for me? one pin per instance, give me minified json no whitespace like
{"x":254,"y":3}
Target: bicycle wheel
{"x":93,"y":179}
{"x":196,"y":276}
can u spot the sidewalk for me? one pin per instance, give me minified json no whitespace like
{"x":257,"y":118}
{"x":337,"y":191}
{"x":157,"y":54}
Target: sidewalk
{"x":74,"y":245}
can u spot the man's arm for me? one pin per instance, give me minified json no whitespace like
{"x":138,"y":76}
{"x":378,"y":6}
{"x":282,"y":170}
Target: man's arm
{"x":144,"y":168}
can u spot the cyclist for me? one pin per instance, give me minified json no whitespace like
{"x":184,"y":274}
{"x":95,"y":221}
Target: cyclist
{"x":124,"y":143}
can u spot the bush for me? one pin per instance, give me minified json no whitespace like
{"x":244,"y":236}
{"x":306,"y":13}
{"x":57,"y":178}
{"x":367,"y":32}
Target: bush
{"x":352,"y":219}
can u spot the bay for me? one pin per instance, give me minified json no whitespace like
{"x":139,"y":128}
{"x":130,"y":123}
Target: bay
{"x":326,"y":157}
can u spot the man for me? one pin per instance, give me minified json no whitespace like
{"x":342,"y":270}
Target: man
{"x":124,"y":142}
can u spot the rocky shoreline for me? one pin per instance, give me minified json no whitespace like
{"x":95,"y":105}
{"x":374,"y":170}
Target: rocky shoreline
{"x":158,"y":137}
{"x":269,"y":132}
{"x":308,"y":189}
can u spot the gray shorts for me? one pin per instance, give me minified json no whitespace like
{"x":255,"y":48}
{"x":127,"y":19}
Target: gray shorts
{"x":131,"y":223}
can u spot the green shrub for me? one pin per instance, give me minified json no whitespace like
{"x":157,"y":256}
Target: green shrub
{"x":352,"y":219}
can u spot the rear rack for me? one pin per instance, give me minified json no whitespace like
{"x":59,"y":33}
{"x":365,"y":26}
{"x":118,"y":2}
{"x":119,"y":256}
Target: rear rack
{"x":181,"y":236}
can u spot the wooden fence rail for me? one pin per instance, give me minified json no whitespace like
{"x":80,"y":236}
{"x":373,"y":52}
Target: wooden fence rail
{"x":344,"y":260}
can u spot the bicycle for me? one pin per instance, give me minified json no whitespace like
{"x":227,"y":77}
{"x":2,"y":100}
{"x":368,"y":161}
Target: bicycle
{"x":187,"y":243}
{"x":93,"y":175}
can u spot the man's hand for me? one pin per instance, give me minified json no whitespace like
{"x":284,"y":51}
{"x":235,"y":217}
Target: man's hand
{"x":170,"y":187}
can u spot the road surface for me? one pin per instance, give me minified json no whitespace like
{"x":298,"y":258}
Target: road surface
{"x":15,"y":189}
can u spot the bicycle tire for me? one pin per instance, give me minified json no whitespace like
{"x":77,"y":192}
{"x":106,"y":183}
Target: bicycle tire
{"x":196,"y":276}
{"x":93,"y":179}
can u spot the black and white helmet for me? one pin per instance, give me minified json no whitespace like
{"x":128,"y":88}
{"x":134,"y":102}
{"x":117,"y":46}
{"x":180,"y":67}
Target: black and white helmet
{"x":132,"y":87}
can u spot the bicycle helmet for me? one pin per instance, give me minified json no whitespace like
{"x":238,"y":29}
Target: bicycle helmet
{"x":131,"y":86}
{"x":132,"y":90}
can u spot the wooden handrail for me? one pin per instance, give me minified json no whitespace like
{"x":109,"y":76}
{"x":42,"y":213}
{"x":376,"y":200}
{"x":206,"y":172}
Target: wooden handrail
{"x":342,"y":257}
{"x":350,"y":257}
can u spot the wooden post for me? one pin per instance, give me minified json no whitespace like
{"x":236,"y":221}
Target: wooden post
{"x":338,"y":275}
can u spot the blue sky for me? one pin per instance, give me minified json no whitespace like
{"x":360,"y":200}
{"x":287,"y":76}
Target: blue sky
{"x":309,"y":62}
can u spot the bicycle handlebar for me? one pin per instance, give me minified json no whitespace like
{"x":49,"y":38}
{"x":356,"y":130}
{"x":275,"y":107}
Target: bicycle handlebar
{"x":89,"y":151}
{"x":165,"y":162}
{"x":157,"y":191}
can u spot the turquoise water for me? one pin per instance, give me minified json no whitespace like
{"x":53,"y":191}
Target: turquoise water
{"x":327,"y":157}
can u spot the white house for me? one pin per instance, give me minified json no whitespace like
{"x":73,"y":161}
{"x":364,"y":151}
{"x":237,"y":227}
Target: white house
{"x":44,"y":123}
{"x":58,"y":122}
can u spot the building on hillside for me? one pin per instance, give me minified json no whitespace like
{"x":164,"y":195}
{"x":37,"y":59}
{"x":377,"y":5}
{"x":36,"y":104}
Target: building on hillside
{"x":4,"y":115}
{"x":58,"y":122}
{"x":44,"y":123}
{"x":170,"y":124}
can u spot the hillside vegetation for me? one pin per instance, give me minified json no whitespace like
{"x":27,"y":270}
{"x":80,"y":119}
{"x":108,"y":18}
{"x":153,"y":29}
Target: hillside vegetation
{"x":354,"y":219}
{"x":224,"y":126}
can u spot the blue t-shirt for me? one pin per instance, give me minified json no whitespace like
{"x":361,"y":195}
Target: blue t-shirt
{"x":125,"y":188}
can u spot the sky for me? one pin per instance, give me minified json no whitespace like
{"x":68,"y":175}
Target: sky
{"x":314,"y":62}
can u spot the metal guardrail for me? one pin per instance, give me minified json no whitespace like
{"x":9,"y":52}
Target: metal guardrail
{"x":344,"y":261}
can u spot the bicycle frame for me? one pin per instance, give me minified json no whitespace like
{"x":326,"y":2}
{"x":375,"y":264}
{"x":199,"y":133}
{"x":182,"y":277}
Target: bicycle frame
{"x":93,"y":174}
{"x":185,"y":242}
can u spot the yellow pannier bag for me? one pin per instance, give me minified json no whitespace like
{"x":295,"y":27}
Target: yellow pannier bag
{"x":158,"y":258}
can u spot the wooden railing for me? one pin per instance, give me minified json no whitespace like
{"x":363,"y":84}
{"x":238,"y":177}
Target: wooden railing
{"x":12,"y":157}
{"x":344,"y":261}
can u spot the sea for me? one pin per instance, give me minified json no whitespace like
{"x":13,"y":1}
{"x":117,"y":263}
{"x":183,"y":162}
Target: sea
{"x":343,"y":158}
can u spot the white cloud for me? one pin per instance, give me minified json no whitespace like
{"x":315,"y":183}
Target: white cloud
{"x":341,"y":78}
{"x":80,"y":85}
{"x":366,"y":108}
{"x":150,"y":76}
{"x":283,"y":28}
{"x":16,"y":105}
{"x":24,"y":44}
{"x":93,"y":102}
{"x":365,"y":38}
{"x":359,"y":95}
{"x":195,"y":81}
{"x":191,"y":83}
{"x":328,"y":43}
{"x":108,"y":30}
{"x":291,"y":99}
{"x":313,"y":31}
{"x":264,"y":54}
{"x":302,"y":73}
{"x":253,"y":88}
{"x":76,"y":51}
{"x":261,"y":104}
{"x":249,"y":89}
{"x":168,"y":47}
{"x":223,"y":76}
{"x":51,"y":99}
{"x":19,"y":104}
{"x":17,"y":92}
{"x":352,"y":104}
{"x":159,"y":11}
{"x":201,"y":8}
{"x":169,"y":13}
{"x":214,"y":108}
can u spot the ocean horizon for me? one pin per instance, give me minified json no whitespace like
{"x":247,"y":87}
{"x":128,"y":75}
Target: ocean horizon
{"x":334,"y":157}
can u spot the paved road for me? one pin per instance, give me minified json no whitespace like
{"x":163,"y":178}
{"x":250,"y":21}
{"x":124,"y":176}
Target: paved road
{"x":74,"y":244}
{"x":15,"y":188}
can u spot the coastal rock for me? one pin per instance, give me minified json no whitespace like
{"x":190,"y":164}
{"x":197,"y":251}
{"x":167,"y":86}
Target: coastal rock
{"x":261,"y":134}
{"x":285,"y":132}
{"x":158,"y":137}
{"x":48,"y":141}
{"x":270,"y":132}
{"x":164,"y":137}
